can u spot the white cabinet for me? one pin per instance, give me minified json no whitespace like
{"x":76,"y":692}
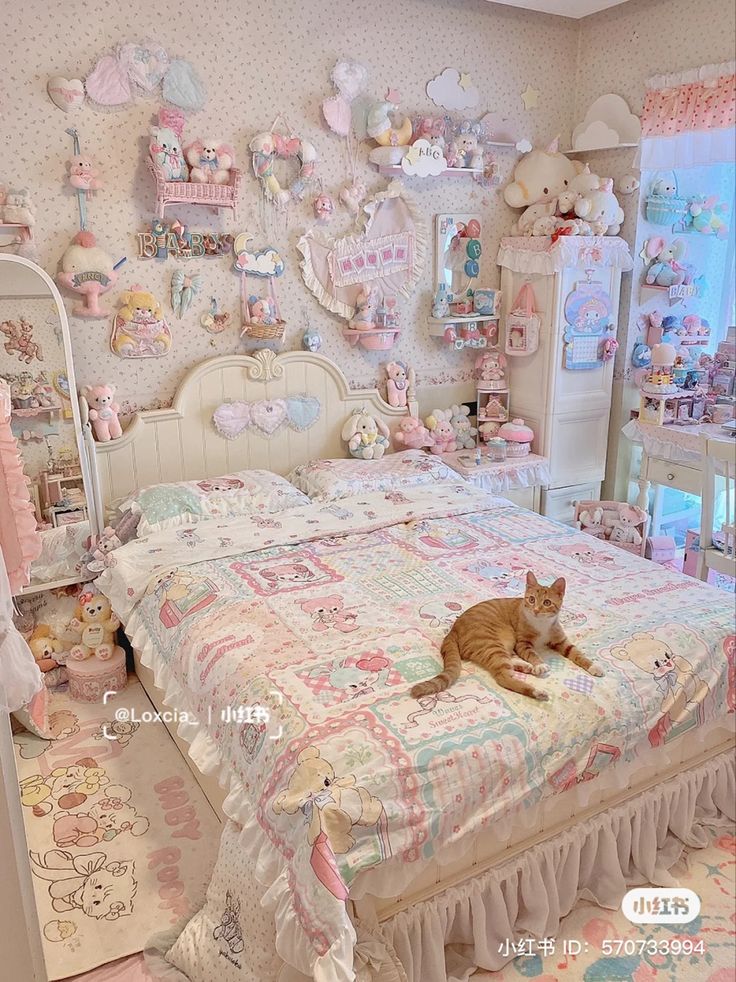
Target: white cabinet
{"x":568,"y":408}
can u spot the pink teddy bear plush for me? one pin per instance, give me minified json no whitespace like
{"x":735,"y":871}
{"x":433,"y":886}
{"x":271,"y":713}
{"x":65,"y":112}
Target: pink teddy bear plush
{"x":442,"y":431}
{"x":103,"y":412}
{"x":82,"y":174}
{"x":413,"y":434}
{"x":399,"y":381}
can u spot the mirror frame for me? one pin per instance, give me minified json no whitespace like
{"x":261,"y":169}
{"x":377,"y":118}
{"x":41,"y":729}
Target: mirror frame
{"x":79,"y":434}
{"x":440,"y":238}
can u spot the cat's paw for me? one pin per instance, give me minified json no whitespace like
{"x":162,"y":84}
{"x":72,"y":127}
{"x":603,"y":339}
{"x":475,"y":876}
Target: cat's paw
{"x":596,"y":670}
{"x":541,"y":695}
{"x":540,"y":670}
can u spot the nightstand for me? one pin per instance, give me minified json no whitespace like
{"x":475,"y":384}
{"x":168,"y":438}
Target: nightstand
{"x":520,"y":479}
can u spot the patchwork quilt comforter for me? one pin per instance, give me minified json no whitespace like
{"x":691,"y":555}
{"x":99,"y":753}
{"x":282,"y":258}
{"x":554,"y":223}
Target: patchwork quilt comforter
{"x":293,"y":640}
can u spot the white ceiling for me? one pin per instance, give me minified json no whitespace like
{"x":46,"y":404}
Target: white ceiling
{"x":563,"y":8}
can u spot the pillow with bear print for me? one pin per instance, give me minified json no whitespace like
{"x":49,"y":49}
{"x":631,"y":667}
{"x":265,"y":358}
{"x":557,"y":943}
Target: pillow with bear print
{"x":164,"y":506}
{"x":329,"y":480}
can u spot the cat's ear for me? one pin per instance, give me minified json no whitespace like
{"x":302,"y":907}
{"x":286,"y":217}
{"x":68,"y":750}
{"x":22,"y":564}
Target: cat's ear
{"x":531,"y":580}
{"x":559,"y":586}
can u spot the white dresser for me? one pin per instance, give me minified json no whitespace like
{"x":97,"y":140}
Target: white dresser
{"x":568,"y":408}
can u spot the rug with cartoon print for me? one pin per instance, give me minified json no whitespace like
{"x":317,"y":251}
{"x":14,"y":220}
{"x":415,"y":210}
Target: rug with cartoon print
{"x":122,"y":841}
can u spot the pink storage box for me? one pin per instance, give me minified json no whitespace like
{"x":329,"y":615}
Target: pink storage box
{"x":90,"y":679}
{"x":661,"y":548}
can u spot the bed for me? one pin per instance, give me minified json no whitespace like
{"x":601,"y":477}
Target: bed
{"x":370,"y":835}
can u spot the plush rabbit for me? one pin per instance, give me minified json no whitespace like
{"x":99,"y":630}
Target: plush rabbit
{"x":367,"y":437}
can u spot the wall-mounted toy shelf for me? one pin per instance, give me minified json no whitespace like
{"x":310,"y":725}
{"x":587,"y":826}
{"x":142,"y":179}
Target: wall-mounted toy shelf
{"x":468,"y":319}
{"x":618,"y":146}
{"x":394,"y":170}
{"x":49,"y":411}
{"x":464,"y":332}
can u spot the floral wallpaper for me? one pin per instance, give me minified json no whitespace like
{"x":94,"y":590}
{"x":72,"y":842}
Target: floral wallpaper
{"x":258,"y":60}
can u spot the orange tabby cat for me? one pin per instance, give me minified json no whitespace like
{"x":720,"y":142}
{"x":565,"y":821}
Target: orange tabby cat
{"x":502,"y":635}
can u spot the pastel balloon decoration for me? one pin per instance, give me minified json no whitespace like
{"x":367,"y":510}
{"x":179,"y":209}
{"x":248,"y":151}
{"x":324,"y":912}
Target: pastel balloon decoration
{"x":472,"y":229}
{"x":350,"y":79}
{"x":108,"y":83}
{"x":338,"y":114}
{"x":472,"y":268}
{"x":182,"y":86}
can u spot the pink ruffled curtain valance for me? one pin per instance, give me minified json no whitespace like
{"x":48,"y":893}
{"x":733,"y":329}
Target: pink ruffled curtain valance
{"x":702,"y":105}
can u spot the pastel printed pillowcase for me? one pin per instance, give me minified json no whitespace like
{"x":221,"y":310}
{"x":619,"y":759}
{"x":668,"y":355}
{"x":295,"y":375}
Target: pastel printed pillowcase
{"x":329,"y":480}
{"x":164,"y":506}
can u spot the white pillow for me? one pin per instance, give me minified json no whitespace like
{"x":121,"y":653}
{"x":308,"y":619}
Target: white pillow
{"x":164,"y":506}
{"x":329,"y":480}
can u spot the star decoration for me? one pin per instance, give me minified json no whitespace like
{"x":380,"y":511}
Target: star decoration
{"x":530,"y":98}
{"x":465,"y":81}
{"x":393,"y":96}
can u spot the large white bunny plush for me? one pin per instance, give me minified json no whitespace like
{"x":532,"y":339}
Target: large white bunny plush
{"x":367,"y":437}
{"x":540,"y":177}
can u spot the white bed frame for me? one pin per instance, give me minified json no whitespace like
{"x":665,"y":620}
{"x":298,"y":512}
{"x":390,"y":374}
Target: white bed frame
{"x":181,"y":443}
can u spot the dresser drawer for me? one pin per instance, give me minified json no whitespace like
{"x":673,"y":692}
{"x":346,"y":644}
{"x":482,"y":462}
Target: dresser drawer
{"x":523,"y":497}
{"x":674,"y":475}
{"x":559,"y":503}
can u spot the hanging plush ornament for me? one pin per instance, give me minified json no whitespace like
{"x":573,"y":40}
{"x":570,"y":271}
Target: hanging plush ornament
{"x":323,"y":206}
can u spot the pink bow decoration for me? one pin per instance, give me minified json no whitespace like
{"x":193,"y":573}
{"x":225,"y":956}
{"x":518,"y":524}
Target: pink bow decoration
{"x":284,"y":147}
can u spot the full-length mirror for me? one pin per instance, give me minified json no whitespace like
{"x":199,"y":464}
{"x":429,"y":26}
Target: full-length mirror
{"x":36,"y":362}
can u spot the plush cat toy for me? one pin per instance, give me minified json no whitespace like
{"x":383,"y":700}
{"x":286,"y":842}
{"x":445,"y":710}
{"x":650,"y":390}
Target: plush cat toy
{"x":165,"y":149}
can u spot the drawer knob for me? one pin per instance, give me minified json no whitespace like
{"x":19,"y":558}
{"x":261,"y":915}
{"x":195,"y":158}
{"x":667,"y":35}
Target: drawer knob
{"x":670,"y":477}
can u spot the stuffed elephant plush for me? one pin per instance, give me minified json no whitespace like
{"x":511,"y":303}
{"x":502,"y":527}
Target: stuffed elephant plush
{"x":666,"y":268}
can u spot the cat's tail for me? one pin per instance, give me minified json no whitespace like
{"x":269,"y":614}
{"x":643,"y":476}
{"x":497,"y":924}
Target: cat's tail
{"x":449,"y":674}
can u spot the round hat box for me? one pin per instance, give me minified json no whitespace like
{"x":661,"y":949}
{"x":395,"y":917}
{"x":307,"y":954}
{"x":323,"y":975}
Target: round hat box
{"x":90,"y":679}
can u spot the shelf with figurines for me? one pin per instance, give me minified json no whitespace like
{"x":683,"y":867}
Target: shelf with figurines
{"x":195,"y":174}
{"x":375,"y":323}
{"x":16,"y":221}
{"x":432,"y":146}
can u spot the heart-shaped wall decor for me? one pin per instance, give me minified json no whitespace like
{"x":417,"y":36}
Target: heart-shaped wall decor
{"x":182,"y":86}
{"x":303,"y":411}
{"x":231,"y":418}
{"x":108,"y":83}
{"x":268,"y":415}
{"x":66,"y":94}
{"x":146,"y":63}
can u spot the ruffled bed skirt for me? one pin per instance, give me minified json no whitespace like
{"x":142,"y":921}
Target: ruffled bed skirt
{"x":446,"y":938}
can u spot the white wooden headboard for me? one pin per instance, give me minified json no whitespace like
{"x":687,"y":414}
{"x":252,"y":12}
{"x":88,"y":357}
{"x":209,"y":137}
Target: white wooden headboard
{"x":181,"y":443}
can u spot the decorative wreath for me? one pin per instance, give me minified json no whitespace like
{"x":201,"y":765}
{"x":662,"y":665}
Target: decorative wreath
{"x":267,"y":148}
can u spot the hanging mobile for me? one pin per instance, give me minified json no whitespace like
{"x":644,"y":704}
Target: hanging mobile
{"x":212,"y":321}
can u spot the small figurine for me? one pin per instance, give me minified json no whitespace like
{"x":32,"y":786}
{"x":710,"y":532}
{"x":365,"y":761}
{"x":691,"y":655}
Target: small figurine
{"x":491,"y":368}
{"x":324,"y":206}
{"x":311,"y":340}
{"x":351,"y":196}
{"x":440,"y":304}
{"x":262,"y":310}
{"x":365,"y":308}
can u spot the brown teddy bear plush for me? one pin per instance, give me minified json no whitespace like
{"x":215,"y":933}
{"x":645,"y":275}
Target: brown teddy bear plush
{"x":45,"y":647}
{"x":96,"y":625}
{"x":332,"y":805}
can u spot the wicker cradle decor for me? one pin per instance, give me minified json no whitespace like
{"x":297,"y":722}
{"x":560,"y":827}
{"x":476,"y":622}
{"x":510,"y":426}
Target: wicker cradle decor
{"x":215,"y":196}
